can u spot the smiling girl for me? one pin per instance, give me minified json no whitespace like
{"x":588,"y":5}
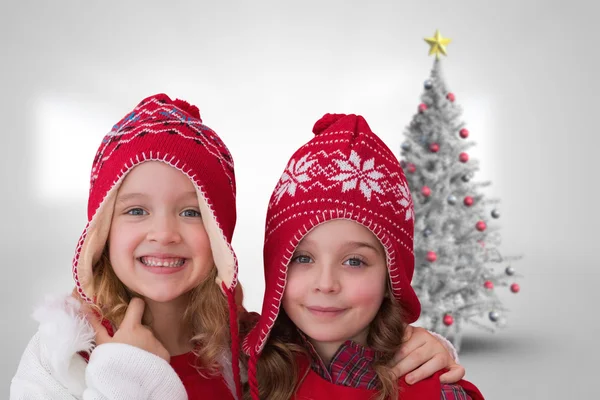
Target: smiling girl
{"x":338,"y":265}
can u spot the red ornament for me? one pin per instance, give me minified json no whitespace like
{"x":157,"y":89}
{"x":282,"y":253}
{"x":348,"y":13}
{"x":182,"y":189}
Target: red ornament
{"x":434,"y":147}
{"x":488,"y":285}
{"x":481,"y":243}
{"x":464,"y":133}
{"x":515,"y":288}
{"x":448,"y":320}
{"x":468,"y":201}
{"x":422,"y":107}
{"x":425,"y":191}
{"x":412,"y":168}
{"x":463,"y":157}
{"x":451,"y":97}
{"x":481,"y":226}
{"x":431,"y":256}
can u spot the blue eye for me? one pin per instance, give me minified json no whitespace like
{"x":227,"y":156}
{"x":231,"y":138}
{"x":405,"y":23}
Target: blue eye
{"x":354,"y":262}
{"x":190,"y":213}
{"x":137,"y":211}
{"x":302,"y":259}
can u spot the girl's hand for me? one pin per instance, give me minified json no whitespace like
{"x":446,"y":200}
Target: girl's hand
{"x":131,"y":331}
{"x":423,"y":355}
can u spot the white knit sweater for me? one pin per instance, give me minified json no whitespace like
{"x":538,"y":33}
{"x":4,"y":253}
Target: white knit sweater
{"x":51,"y":369}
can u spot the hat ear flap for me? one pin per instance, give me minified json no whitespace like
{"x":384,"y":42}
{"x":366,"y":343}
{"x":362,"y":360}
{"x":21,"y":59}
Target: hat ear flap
{"x":92,"y":243}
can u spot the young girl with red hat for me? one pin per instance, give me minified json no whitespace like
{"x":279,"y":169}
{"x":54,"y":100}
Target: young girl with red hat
{"x":339,"y":261}
{"x":155,"y":263}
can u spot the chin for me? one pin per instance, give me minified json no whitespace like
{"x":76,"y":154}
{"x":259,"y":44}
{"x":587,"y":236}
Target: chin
{"x":161,"y":295}
{"x":161,"y":298}
{"x":326,"y":335}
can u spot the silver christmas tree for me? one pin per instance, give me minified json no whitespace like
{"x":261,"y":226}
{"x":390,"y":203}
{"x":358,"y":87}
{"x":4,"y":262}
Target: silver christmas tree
{"x":458,"y":267}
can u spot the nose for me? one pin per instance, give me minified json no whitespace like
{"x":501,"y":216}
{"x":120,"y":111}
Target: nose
{"x":327,"y":279}
{"x":164,"y":230}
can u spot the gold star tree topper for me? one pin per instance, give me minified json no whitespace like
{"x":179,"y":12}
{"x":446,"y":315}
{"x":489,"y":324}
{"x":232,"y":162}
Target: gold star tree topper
{"x":437,"y":44}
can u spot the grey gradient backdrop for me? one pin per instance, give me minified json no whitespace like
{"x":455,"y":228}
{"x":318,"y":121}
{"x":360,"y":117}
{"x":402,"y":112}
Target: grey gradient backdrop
{"x":262,"y":73}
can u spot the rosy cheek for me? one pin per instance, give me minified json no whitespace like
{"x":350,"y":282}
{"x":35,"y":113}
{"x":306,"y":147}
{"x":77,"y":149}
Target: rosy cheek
{"x":295,"y":287}
{"x":123,"y":240}
{"x":360,"y":294}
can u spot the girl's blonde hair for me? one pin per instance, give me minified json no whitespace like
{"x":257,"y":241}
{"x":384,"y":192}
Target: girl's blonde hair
{"x":277,"y":369}
{"x":206,"y":313}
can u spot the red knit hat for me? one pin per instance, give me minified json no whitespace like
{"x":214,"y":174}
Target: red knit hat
{"x":160,"y":129}
{"x":344,"y":172}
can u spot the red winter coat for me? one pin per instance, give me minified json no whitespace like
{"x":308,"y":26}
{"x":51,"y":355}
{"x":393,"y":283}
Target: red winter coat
{"x":316,"y":388}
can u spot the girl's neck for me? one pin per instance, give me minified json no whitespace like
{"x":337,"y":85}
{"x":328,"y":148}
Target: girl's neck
{"x":326,"y":350}
{"x":166,"y":321}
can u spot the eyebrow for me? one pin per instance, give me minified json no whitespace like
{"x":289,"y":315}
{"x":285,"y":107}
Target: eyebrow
{"x":359,"y":244}
{"x":130,"y":196}
{"x":353,"y":245}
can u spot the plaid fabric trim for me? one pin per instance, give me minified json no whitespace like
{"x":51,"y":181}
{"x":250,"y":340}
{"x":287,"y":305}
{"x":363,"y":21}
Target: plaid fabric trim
{"x":454,"y":392}
{"x":352,"y":364}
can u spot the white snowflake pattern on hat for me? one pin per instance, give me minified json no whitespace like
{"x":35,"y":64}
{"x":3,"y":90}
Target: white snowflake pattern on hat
{"x":294,"y":174}
{"x":352,"y":175}
{"x":405,"y":200}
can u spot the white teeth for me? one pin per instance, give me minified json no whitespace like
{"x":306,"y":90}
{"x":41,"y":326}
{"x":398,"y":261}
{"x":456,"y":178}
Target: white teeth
{"x":154,"y":262}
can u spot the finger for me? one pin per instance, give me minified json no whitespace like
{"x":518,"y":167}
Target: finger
{"x":416,"y":341}
{"x":134,"y":313}
{"x":411,"y":361}
{"x":408,"y":347}
{"x":415,"y":337}
{"x":426,"y":370}
{"x":456,"y":373}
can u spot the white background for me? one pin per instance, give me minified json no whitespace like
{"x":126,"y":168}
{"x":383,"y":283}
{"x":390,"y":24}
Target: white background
{"x":262,"y":73}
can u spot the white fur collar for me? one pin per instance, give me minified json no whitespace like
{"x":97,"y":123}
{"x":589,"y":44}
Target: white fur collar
{"x":64,"y":332}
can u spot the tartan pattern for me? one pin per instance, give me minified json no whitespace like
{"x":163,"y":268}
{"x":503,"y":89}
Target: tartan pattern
{"x":454,"y":392}
{"x":351,"y":366}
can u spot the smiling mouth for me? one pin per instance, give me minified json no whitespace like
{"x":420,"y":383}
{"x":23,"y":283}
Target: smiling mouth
{"x":171,"y":262}
{"x":326,"y":311}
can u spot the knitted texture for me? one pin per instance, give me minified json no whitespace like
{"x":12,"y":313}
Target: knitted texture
{"x":344,"y":172}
